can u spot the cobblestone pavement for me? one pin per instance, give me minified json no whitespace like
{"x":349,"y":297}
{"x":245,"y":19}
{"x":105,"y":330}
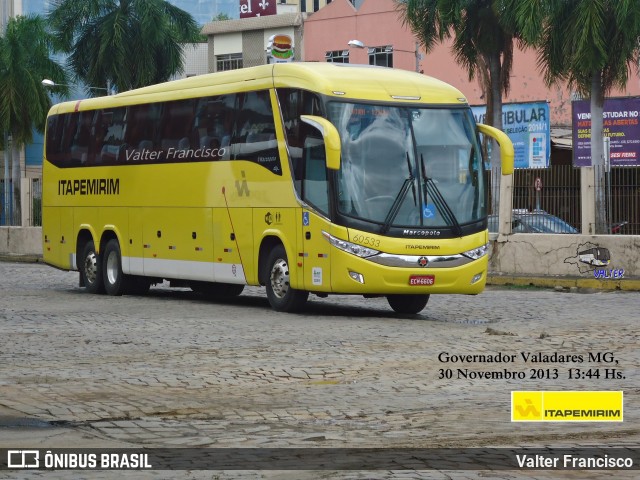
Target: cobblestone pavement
{"x":172,"y":370}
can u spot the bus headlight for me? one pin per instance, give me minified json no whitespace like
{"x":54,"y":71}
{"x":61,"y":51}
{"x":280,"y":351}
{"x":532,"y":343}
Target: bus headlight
{"x":352,"y":248}
{"x":477,"y":253}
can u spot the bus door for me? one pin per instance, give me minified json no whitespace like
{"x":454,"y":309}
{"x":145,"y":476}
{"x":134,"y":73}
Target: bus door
{"x":314,"y":192}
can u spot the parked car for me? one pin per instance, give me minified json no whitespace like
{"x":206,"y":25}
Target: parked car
{"x":538,"y":221}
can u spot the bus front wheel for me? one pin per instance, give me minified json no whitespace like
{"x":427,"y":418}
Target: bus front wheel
{"x":408,"y":304}
{"x":91,"y":269}
{"x":114,"y":279}
{"x":282,"y":297}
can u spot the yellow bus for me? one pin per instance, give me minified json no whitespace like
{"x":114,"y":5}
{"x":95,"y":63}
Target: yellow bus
{"x":302,"y":178}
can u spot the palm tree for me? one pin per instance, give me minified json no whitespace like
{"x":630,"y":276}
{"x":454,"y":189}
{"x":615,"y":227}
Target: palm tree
{"x":122,"y":43}
{"x":25,"y":60}
{"x":482,"y":44}
{"x":590,"y":44}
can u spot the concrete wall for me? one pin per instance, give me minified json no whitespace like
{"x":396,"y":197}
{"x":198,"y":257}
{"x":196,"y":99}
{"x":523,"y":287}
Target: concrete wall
{"x":21,"y":240}
{"x":539,"y":254}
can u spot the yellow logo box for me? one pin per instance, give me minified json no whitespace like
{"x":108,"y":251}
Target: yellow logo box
{"x":572,"y":406}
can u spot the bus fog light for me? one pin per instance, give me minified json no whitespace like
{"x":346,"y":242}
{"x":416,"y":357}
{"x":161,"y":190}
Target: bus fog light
{"x":476,"y":278}
{"x":357,"y":276}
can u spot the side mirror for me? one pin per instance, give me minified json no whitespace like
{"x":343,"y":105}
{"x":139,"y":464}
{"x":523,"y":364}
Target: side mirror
{"x":331,"y":139}
{"x":506,"y":147}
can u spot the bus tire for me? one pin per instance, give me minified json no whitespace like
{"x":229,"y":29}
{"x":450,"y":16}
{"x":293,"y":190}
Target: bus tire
{"x":407,"y":304}
{"x":217,"y":291}
{"x":281,"y":296}
{"x":115,"y":282}
{"x":91,"y":269}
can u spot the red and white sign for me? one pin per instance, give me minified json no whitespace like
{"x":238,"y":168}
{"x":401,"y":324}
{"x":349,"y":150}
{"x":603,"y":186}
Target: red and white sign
{"x":538,"y":184}
{"x":422,"y":280}
{"x":257,"y":8}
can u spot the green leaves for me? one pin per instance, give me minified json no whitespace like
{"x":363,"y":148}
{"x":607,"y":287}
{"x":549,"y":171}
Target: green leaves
{"x":123,"y":43}
{"x":25,"y":50}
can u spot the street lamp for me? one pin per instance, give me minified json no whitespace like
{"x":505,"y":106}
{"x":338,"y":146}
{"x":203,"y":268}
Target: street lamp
{"x":50,"y":83}
{"x":416,"y":52}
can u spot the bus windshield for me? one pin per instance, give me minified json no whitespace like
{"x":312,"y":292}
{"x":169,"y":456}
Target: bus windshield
{"x":409,"y":167}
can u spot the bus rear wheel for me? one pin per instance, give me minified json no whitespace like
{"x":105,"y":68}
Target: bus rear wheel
{"x":91,"y":269}
{"x":407,"y":304}
{"x":281,"y":296}
{"x":114,"y":280}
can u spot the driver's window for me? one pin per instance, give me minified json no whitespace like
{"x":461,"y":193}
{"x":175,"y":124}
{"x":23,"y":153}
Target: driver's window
{"x":314,"y":188}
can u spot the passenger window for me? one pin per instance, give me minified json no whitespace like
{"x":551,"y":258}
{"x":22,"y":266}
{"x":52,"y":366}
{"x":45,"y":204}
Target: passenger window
{"x":213,"y":126}
{"x":111,"y":134}
{"x":254,"y":136}
{"x":176,"y":127}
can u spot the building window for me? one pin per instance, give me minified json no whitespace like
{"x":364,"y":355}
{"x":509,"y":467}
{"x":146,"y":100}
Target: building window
{"x":303,"y":6}
{"x":381,"y":56}
{"x":337,"y":56}
{"x":231,"y":61}
{"x":316,"y":5}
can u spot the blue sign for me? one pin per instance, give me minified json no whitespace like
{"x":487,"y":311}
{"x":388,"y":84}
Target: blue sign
{"x":528,"y":126}
{"x":428,"y":210}
{"x":305,"y":219}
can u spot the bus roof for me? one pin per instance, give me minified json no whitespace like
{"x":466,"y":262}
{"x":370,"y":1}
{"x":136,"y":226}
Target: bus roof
{"x":366,"y":82}
{"x":362,"y":82}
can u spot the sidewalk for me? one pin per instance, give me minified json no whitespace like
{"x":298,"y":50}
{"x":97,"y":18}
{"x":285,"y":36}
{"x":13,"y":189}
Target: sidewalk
{"x":27,"y":258}
{"x":562,"y":282}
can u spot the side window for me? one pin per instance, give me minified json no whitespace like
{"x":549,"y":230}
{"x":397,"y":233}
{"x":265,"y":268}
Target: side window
{"x":176,"y":127}
{"x":314,"y":185}
{"x":110,"y":134}
{"x":254,"y":137}
{"x":79,"y":149}
{"x":213,"y":126}
{"x":294,"y":103}
{"x":142,"y":133}
{"x":55,"y":128}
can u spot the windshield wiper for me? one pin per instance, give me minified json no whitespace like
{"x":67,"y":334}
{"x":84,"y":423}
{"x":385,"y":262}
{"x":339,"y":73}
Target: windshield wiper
{"x":397,"y":203}
{"x":438,"y":199}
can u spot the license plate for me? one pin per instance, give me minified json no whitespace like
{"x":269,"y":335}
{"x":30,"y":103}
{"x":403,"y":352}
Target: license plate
{"x":422,"y":280}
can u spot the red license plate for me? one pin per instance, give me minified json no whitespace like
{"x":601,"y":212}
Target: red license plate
{"x":422,"y":280}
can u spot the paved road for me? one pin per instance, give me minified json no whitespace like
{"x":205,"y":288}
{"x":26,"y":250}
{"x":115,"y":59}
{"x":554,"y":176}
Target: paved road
{"x":172,"y":370}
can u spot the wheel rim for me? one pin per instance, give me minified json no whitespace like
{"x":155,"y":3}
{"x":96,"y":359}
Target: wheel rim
{"x":91,"y":267}
{"x":112,"y":268}
{"x":280,"y":278}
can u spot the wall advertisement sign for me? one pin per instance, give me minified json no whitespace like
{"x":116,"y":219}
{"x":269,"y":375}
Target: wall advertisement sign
{"x":621,"y":123}
{"x":257,"y":8}
{"x":528,"y":127}
{"x":280,"y":49}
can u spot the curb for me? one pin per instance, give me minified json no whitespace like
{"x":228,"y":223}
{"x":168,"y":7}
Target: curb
{"x":626,"y":284}
{"x":23,"y":258}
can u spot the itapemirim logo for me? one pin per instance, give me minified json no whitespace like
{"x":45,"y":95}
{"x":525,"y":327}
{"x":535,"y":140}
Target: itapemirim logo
{"x":571,"y":406}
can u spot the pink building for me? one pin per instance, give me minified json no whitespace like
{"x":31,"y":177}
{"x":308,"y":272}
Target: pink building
{"x":377,"y":25}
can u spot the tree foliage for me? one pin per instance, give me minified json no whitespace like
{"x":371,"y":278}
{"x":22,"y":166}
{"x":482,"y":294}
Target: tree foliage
{"x":25,"y":60}
{"x":482,"y":43}
{"x":122,"y":43}
{"x":221,"y":17}
{"x":579,"y":39}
